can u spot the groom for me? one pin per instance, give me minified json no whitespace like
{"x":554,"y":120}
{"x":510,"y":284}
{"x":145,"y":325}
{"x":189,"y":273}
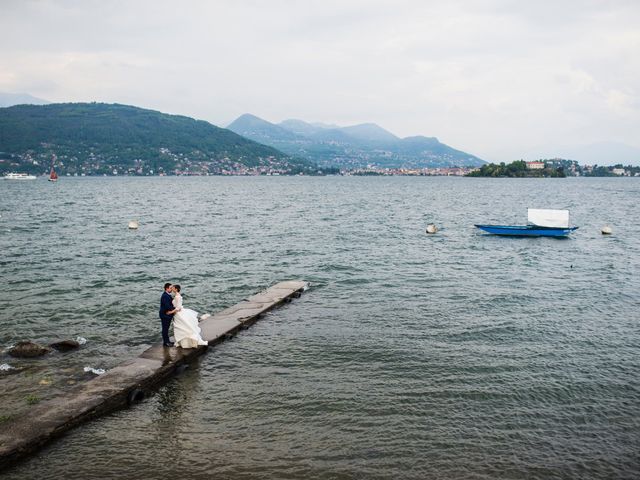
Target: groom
{"x":166,"y":313}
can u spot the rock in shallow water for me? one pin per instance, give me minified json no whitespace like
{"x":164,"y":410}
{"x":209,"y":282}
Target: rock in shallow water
{"x":6,"y":369}
{"x":65,"y":345}
{"x":28,"y":350}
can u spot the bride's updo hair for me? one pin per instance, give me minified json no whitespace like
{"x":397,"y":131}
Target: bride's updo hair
{"x":177,"y":287}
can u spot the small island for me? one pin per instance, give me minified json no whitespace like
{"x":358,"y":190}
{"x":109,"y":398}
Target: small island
{"x":519,"y":169}
{"x":552,"y":168}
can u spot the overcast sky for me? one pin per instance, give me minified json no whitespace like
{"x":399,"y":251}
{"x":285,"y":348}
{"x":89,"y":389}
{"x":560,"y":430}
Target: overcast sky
{"x":501,"y":79}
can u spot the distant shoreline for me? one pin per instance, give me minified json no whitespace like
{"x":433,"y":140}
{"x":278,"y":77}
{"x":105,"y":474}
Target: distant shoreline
{"x":501,"y":177}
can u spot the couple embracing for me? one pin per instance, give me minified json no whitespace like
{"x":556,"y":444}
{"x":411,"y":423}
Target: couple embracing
{"x":185,"y":321}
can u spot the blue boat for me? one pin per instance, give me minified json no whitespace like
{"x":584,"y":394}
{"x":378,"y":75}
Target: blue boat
{"x":542,"y":223}
{"x":526,"y":230}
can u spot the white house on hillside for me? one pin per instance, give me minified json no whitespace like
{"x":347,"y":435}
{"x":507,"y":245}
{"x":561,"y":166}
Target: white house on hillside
{"x":535,"y":165}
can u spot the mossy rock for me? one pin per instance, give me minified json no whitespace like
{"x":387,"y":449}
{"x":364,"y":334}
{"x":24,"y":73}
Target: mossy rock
{"x":28,"y":350}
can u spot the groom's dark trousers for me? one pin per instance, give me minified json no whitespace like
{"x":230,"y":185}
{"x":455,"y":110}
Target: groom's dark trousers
{"x":165,"y":306}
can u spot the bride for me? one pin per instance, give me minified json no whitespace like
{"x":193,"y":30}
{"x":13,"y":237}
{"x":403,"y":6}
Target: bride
{"x":185,"y":324}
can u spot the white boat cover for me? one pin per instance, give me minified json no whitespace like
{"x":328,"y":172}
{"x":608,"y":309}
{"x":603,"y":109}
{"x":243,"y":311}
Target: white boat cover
{"x":542,"y":217}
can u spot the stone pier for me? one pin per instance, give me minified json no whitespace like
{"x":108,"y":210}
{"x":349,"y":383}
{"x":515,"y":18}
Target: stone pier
{"x":132,"y":380}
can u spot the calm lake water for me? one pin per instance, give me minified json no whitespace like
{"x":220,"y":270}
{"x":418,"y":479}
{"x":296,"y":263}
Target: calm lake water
{"x":458,"y":355}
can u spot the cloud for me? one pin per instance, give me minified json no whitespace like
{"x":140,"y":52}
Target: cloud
{"x":498,"y":78}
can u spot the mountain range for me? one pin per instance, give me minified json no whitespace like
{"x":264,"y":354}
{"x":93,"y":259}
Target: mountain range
{"x":354,"y":146}
{"x":95,"y":138}
{"x":11,"y":99}
{"x":365,"y":144}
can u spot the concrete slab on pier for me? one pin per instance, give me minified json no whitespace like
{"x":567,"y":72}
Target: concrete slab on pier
{"x":131,"y":380}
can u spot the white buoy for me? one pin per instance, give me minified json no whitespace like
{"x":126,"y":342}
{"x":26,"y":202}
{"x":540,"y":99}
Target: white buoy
{"x":606,"y":230}
{"x":133,"y":225}
{"x":431,"y":229}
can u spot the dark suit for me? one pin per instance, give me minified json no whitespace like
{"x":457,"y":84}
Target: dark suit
{"x":165,"y":306}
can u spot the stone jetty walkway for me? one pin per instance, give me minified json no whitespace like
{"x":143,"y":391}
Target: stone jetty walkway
{"x":130,"y":381}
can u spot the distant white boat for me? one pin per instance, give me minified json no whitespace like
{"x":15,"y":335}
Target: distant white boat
{"x":19,"y":176}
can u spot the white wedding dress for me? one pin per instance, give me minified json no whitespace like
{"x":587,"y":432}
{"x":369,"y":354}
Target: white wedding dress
{"x":185,"y":326}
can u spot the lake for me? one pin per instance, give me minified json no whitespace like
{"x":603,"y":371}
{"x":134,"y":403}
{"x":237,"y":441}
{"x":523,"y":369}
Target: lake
{"x":455,"y":355}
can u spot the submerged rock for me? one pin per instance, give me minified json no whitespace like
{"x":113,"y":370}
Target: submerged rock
{"x":96,"y":371}
{"x":6,"y":369}
{"x":65,"y":345}
{"x":28,"y":350}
